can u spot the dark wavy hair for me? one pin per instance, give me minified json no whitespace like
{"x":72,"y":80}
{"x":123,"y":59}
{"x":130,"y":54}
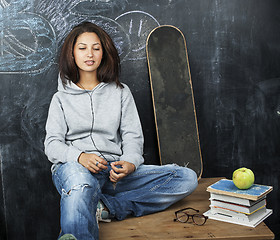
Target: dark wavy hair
{"x":109,"y":68}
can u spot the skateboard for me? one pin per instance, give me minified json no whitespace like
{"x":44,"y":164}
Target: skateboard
{"x":173,"y":99}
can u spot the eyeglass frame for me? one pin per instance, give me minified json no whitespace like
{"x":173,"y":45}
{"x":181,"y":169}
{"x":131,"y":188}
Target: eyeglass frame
{"x":190,"y":215}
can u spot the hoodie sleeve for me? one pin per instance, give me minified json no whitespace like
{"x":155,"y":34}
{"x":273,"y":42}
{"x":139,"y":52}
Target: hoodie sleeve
{"x":56,"y":148}
{"x":131,"y":130}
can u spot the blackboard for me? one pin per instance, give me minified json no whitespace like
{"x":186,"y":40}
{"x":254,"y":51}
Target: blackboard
{"x":234,"y":56}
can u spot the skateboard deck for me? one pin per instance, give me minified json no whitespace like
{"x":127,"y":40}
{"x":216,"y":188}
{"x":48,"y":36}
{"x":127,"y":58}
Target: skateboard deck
{"x":173,"y":100}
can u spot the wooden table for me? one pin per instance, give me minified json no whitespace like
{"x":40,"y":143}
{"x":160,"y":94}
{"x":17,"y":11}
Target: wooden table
{"x":161,"y":225}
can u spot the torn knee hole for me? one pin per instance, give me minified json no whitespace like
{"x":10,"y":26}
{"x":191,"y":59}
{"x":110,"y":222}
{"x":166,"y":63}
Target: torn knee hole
{"x":75,"y":188}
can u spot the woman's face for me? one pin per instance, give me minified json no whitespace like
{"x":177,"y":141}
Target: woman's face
{"x":88,"y":52}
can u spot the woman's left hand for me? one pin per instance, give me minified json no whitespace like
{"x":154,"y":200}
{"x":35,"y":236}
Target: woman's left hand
{"x":116,"y":174}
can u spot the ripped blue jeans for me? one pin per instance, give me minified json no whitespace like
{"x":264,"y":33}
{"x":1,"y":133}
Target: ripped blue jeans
{"x":149,"y":189}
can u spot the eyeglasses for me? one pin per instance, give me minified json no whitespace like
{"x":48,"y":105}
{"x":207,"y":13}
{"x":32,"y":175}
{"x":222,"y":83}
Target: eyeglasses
{"x":183,"y":216}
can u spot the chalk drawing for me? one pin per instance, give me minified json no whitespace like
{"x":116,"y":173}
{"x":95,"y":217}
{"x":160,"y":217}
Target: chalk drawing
{"x":4,"y":4}
{"x":98,"y":7}
{"x":63,"y":15}
{"x":31,"y":33}
{"x":138,"y":25}
{"x":14,"y":6}
{"x":128,"y":31}
{"x":27,"y":41}
{"x":114,"y":29}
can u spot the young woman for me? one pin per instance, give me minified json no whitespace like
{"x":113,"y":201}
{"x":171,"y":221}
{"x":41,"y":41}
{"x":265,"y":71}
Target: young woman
{"x":95,"y":142}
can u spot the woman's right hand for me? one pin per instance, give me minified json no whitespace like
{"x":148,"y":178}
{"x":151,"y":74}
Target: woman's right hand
{"x":92,"y":162}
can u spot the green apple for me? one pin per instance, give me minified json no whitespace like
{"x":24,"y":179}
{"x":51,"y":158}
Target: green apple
{"x":243,"y":178}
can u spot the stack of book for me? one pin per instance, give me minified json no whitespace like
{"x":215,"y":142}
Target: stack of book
{"x":243,"y":207}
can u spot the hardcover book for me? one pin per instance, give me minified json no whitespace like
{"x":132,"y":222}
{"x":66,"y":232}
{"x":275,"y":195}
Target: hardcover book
{"x":226,"y":216}
{"x":240,"y":216}
{"x":227,"y":187}
{"x":237,"y":200}
{"x":237,"y":207}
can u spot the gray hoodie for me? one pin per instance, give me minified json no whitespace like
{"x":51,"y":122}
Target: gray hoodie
{"x":103,"y":121}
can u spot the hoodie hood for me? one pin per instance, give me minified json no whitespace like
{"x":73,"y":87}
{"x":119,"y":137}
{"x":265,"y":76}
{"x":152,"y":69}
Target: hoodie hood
{"x":72,"y":88}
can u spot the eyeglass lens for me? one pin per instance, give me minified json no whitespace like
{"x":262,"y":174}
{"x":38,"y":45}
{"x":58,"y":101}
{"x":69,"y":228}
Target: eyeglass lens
{"x":184,"y":217}
{"x":198,"y":219}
